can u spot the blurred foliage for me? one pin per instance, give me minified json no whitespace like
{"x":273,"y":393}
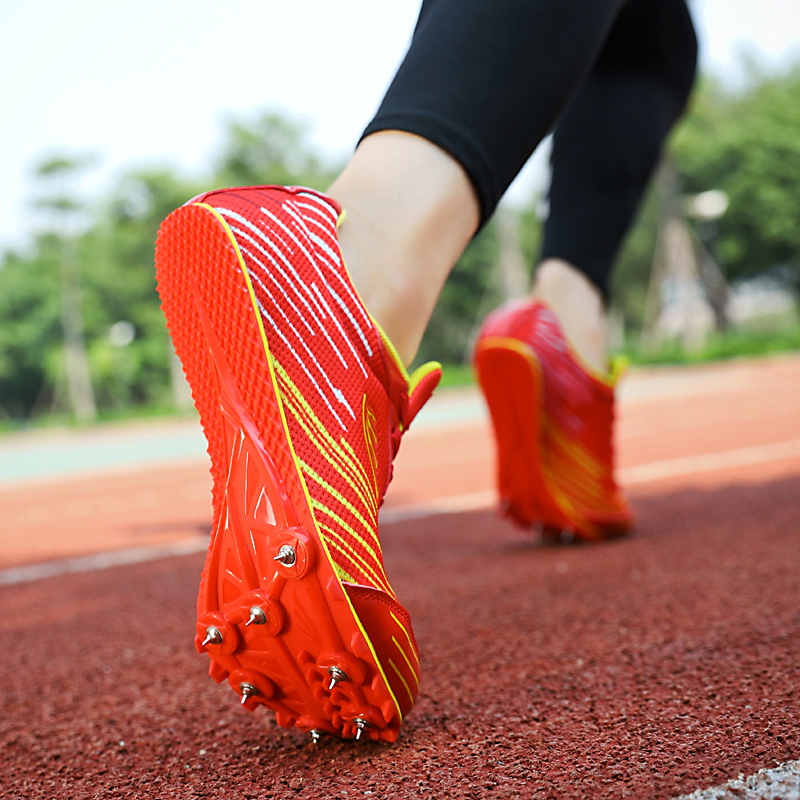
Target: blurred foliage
{"x":470,"y":292}
{"x":270,"y":149}
{"x":30,"y":334}
{"x":743,"y":341}
{"x":473,"y":290}
{"x":745,"y":143}
{"x":631,"y":275}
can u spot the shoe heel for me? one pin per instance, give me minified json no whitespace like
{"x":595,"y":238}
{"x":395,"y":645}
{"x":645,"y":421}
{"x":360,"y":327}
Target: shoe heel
{"x":511,"y":380}
{"x":271,"y":608}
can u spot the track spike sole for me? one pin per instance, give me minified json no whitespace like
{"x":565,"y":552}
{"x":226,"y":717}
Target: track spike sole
{"x":260,"y":503}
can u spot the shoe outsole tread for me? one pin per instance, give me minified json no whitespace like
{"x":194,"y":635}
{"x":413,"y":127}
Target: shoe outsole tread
{"x":260,"y":505}
{"x":510,"y":375}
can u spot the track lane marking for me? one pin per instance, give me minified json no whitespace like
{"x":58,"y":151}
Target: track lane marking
{"x":474,"y":501}
{"x":709,"y":462}
{"x":100,"y":561}
{"x":770,"y":783}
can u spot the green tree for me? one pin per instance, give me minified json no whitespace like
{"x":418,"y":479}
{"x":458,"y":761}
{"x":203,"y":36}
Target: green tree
{"x":134,"y":368}
{"x":631,"y":275}
{"x":270,"y":149}
{"x":31,"y":338}
{"x":58,"y":198}
{"x":746,"y":143}
{"x":474,"y":288}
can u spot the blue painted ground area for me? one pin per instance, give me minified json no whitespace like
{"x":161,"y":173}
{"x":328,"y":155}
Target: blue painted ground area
{"x":48,"y":454}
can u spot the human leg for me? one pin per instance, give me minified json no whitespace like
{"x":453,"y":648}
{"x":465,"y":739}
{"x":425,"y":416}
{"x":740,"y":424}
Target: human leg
{"x":478,"y":117}
{"x":605,"y":149}
{"x":542,"y":364}
{"x":399,"y":245}
{"x":303,"y":398}
{"x":579,"y":305}
{"x":487,"y":81}
{"x":482,"y":84}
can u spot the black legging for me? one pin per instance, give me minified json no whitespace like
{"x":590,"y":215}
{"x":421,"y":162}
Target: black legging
{"x":487,"y":80}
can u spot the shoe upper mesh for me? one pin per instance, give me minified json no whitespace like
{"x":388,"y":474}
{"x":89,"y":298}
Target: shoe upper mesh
{"x":330,"y":366}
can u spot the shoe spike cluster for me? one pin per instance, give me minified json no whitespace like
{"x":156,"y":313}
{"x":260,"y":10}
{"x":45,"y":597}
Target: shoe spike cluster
{"x":315,"y":736}
{"x":213,"y":636}
{"x":257,"y":616}
{"x":248,"y":691}
{"x":337,"y":675}
{"x":286,"y":555}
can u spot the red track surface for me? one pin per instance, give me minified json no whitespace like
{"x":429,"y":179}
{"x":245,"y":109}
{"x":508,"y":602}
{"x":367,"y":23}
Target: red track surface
{"x":644,"y":668}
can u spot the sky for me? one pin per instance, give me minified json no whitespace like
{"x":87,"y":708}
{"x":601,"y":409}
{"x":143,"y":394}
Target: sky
{"x":151,"y":83}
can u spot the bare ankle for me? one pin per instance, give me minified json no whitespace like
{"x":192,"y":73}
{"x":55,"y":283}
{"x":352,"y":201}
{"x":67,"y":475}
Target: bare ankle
{"x":410,"y":210}
{"x":579,"y":306}
{"x":377,"y":270}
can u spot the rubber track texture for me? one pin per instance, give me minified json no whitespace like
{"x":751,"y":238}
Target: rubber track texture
{"x":260,"y":505}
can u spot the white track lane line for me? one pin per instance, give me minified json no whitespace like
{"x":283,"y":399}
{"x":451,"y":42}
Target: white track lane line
{"x":710,"y":462}
{"x":101,"y":561}
{"x":631,"y":476}
{"x":771,"y":783}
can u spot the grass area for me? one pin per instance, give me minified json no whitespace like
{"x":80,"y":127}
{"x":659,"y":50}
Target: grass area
{"x":161,"y":411}
{"x":718,"y":346}
{"x":738,"y":343}
{"x":457,"y":375}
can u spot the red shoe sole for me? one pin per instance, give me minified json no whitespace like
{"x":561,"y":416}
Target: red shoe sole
{"x":511,"y":379}
{"x":303,"y":626}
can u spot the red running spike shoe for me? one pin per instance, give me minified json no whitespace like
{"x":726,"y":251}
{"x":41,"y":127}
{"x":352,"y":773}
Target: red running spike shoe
{"x":303,"y":402}
{"x":553,"y":423}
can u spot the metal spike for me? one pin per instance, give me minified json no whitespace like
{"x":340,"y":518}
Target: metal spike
{"x":286,"y":555}
{"x":315,"y":736}
{"x":248,"y":690}
{"x":336,"y":676}
{"x":257,"y":616}
{"x":361,"y":726}
{"x":213,"y":636}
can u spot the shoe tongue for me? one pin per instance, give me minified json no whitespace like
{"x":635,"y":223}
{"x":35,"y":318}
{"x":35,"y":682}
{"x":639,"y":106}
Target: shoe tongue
{"x":416,"y":388}
{"x":617,"y":367}
{"x":421,"y":386}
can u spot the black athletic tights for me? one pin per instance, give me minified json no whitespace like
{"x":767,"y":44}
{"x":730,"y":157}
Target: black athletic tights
{"x":487,"y":80}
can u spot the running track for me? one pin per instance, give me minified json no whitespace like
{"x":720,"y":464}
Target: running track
{"x":645,"y":668}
